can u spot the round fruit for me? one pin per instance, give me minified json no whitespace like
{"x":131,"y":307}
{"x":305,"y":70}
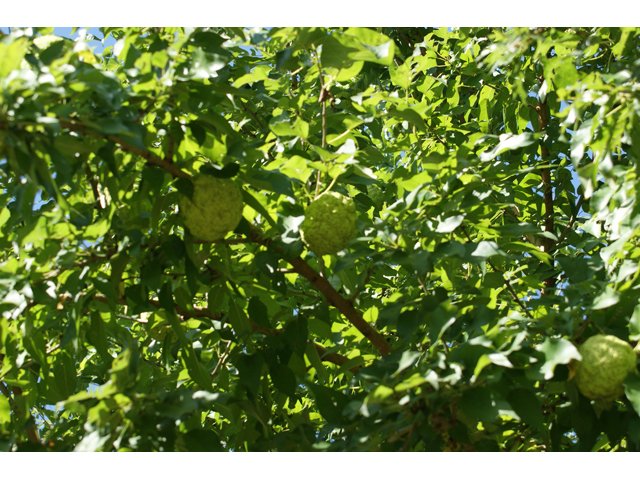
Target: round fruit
{"x":329,"y":223}
{"x":215,"y":208}
{"x":606,"y":362}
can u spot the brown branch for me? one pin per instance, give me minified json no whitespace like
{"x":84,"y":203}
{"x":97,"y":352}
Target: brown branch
{"x":322,"y":98}
{"x":94,"y":186}
{"x":433,"y":132}
{"x":332,"y":357}
{"x":32,"y":432}
{"x":186,"y":315}
{"x":332,"y":296}
{"x":221,"y":360}
{"x":358,"y":290}
{"x":581,"y":328}
{"x":169,"y":156}
{"x":255,"y":117}
{"x":48,"y":351}
{"x":511,"y":290}
{"x":151,"y":158}
{"x":342,"y":304}
{"x":506,"y":280}
{"x":5,"y":390}
{"x":547,"y":243}
{"x":572,"y":220}
{"x":422,"y":284}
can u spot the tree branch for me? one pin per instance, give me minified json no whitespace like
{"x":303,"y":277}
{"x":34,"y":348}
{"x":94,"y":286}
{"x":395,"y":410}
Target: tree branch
{"x":151,"y":158}
{"x":342,"y":304}
{"x":32,"y":432}
{"x":572,"y":220}
{"x":255,"y":117}
{"x":94,"y":186}
{"x":221,"y":360}
{"x":169,"y":156}
{"x":332,"y":296}
{"x":322,"y":98}
{"x":364,"y":283}
{"x":506,"y":280}
{"x":547,"y":244}
{"x":332,"y":357}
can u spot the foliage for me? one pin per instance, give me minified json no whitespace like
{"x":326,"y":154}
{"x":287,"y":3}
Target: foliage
{"x":495,"y":178}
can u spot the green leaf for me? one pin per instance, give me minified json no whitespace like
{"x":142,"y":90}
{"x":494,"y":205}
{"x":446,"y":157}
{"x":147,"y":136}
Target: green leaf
{"x":64,"y":375}
{"x":201,"y":440}
{"x":486,"y":249}
{"x":632,"y":390}
{"x":238,"y":318}
{"x":407,"y":360}
{"x":378,"y":48}
{"x":250,"y":200}
{"x":12,"y":54}
{"x":282,"y":126}
{"x":634,"y":324}
{"x":269,"y":180}
{"x":329,"y":402}
{"x":197,"y":372}
{"x":606,"y":299}
{"x":528,"y":407}
{"x":5,"y":410}
{"x":449,"y":224}
{"x":250,"y":367}
{"x":509,"y":142}
{"x":557,"y":351}
{"x":284,"y":379}
{"x":479,"y":404}
{"x":258,"y":312}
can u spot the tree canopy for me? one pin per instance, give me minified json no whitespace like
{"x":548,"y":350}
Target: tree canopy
{"x":494,"y":175}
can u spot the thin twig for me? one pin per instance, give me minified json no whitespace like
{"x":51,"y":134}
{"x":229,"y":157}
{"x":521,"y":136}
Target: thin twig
{"x":48,"y":351}
{"x":151,"y":158}
{"x":169,"y":156}
{"x":332,"y":357}
{"x":255,"y":117}
{"x":94,"y":186}
{"x":547,"y":243}
{"x":433,"y":132}
{"x":222,"y":359}
{"x":424,"y":287}
{"x":572,"y":220}
{"x":506,"y":280}
{"x":321,"y":284}
{"x":510,"y":288}
{"x":323,"y":99}
{"x":409,"y":437}
{"x":364,"y":283}
{"x":5,"y":390}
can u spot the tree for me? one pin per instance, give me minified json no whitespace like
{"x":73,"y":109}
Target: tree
{"x":494,"y":174}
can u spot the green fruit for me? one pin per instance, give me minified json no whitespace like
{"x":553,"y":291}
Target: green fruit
{"x":329,"y":223}
{"x":606,"y":362}
{"x":215,"y":208}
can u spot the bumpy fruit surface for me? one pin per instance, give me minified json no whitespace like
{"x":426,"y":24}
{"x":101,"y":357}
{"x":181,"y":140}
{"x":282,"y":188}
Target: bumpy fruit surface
{"x":329,"y":223}
{"x":214,"y":209}
{"x":606,"y":362}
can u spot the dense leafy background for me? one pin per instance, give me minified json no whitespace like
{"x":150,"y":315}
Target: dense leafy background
{"x":495,"y":177}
